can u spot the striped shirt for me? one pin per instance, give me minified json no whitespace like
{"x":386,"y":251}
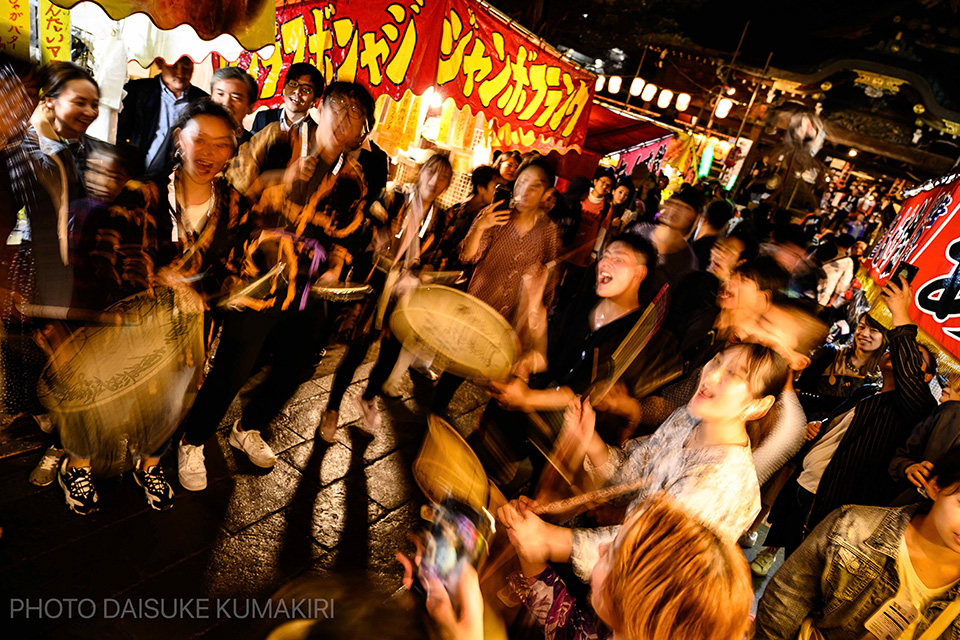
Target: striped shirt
{"x":857,"y":473}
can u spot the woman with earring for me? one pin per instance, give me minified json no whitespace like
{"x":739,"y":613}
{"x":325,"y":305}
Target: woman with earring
{"x":169,"y":229}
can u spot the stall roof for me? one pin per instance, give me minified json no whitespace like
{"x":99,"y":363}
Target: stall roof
{"x":609,"y":131}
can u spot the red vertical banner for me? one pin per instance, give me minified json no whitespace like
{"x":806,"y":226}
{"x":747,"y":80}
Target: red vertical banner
{"x":15,"y":28}
{"x":535,"y":98}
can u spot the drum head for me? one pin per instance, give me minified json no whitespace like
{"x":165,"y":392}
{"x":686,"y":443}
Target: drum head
{"x":341,"y":291}
{"x":447,"y":467}
{"x":456,"y":332}
{"x":118,"y":392}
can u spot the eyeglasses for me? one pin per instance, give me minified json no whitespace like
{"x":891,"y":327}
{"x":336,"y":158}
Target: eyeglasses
{"x":353,"y":111}
{"x":295,"y":87}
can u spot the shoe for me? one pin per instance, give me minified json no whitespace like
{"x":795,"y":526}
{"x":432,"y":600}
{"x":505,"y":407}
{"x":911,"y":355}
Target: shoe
{"x":761,"y":565}
{"x":44,"y":422}
{"x":391,"y":389}
{"x":46,"y":470}
{"x":370,"y":413}
{"x":748,"y":539}
{"x":192,"y":471}
{"x":78,"y":489}
{"x":253,"y":445}
{"x":423,"y":369}
{"x":328,"y":425}
{"x":158,"y":491}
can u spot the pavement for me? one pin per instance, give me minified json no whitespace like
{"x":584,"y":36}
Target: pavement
{"x":324,"y":509}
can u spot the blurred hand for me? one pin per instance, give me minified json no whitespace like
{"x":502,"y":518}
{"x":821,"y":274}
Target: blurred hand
{"x":491,"y":217}
{"x":898,"y":295}
{"x":919,"y":473}
{"x":528,"y":534}
{"x":813,"y":428}
{"x":512,"y":395}
{"x":300,"y":169}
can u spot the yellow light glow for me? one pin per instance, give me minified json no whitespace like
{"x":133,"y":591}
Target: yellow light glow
{"x":683,"y":101}
{"x":723,"y":108}
{"x":599,"y":85}
{"x":852,"y":153}
{"x":648,"y":92}
{"x":613,"y":86}
{"x":637,"y":86}
{"x":666,"y":97}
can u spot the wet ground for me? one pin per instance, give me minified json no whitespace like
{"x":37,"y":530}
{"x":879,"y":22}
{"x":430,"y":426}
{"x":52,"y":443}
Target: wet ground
{"x":341,"y":507}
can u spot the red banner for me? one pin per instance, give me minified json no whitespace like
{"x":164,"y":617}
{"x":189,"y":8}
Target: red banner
{"x":532,"y":94}
{"x":926,"y":234}
{"x":535,"y":99}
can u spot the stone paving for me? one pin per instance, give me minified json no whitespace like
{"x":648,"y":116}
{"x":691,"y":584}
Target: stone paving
{"x":345,"y":507}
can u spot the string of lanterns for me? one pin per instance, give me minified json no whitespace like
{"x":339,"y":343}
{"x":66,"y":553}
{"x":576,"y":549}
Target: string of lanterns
{"x":648,"y":91}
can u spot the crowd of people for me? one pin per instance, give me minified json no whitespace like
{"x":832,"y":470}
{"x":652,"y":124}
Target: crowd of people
{"x":766,"y":395}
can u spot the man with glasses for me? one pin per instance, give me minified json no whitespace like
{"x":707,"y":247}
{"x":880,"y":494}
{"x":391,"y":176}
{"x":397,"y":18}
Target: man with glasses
{"x":302,"y":88}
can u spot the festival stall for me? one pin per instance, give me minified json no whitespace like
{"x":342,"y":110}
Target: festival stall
{"x":924,"y":235}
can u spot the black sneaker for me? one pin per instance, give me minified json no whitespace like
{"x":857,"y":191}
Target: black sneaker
{"x":158,"y":491}
{"x":78,"y":489}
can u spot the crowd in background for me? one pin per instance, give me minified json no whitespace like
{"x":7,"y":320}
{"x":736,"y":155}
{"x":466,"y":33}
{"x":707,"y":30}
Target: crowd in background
{"x":768,"y":395}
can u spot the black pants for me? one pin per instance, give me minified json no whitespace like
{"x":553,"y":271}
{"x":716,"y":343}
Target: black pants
{"x":294,"y":335}
{"x":789,"y":515}
{"x":447,"y":386}
{"x":389,"y":352}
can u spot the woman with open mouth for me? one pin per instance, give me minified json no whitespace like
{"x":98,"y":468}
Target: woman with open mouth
{"x":175,"y":228}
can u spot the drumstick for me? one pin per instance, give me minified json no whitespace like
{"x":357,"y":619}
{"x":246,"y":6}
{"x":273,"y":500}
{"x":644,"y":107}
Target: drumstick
{"x":105,"y":318}
{"x":600,"y":495}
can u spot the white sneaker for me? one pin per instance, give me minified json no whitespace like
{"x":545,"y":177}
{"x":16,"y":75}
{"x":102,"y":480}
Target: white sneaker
{"x":370,"y":413}
{"x":46,"y":470}
{"x":253,"y":445}
{"x":192,"y":471}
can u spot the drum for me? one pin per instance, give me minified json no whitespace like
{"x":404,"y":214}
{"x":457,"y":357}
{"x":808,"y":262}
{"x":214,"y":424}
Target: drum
{"x":118,"y":392}
{"x":447,"y":467}
{"x":341,"y":291}
{"x":455,"y":332}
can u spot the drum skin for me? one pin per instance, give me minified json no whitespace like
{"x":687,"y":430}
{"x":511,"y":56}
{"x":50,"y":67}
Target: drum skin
{"x":456,"y":332}
{"x":119,"y":392}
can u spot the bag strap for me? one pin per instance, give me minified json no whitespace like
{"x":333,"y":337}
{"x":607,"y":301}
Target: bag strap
{"x":944,"y":620}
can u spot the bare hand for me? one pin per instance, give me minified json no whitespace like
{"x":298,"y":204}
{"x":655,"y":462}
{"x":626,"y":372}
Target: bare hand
{"x":511,"y":395}
{"x":898,"y":296}
{"x":42,"y":121}
{"x":813,"y":428}
{"x":919,"y":473}
{"x":491,"y":217}
{"x":301,"y":169}
{"x":527,"y":533}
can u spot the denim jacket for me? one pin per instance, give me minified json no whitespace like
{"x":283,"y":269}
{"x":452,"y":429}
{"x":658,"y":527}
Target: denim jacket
{"x":841,"y":574}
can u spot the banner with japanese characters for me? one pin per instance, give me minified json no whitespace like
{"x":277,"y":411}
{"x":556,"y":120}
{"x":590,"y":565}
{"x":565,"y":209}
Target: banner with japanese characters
{"x":387,"y":46}
{"x":54,"y":32}
{"x":530,"y":96}
{"x":251,"y":22}
{"x":15,"y":28}
{"x":926,"y":235}
{"x":535,"y":98}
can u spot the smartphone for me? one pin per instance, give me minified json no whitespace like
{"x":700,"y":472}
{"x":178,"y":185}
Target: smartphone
{"x":458,"y":535}
{"x":502,"y":195}
{"x":907,"y":271}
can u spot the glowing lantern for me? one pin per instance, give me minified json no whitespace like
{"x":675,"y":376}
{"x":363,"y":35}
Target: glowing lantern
{"x":648,"y":92}
{"x":613,"y":86}
{"x":683,"y":101}
{"x":666,"y":96}
{"x":636,"y":86}
{"x":723,"y":107}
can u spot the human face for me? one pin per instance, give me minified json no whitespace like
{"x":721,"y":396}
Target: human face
{"x":231,"y":94}
{"x":676,"y":214}
{"x":724,"y":256}
{"x":866,"y":337}
{"x":105,"y":176}
{"x":602,"y":186}
{"x":299,"y":94}
{"x":508,"y":168}
{"x":486,"y":192}
{"x":951,"y":392}
{"x":618,"y":270}
{"x":207,"y":143}
{"x":75,"y":108}
{"x":724,"y":393}
{"x":531,"y":186}
{"x":945,"y":515}
{"x":177,"y":75}
{"x":342,"y":122}
{"x":549,"y":200}
{"x":433,"y":182}
{"x":742,"y":294}
{"x":620,"y":194}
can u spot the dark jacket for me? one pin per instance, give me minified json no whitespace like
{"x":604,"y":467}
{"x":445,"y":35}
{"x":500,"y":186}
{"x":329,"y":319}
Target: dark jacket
{"x":265,"y":117}
{"x":140,"y":112}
